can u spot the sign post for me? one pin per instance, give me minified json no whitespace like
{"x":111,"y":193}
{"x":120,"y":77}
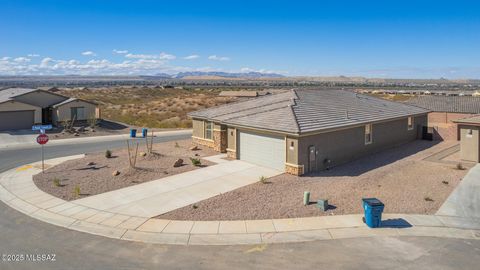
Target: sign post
{"x":42,"y":139}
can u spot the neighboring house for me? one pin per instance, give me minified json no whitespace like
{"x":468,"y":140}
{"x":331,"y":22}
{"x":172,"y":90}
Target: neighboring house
{"x":301,"y":131}
{"x":469,"y":130}
{"x":20,"y":108}
{"x":444,"y":111}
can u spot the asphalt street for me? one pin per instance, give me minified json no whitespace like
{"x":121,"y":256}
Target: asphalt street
{"x":22,"y":236}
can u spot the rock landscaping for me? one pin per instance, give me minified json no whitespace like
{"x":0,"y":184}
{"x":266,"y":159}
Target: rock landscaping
{"x":110,"y":170}
{"x":399,"y":177}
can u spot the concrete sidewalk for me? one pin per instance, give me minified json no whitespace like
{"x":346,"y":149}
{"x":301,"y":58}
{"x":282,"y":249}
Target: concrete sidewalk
{"x":28,"y":140}
{"x":19,"y":192}
{"x":161,"y":196}
{"x":465,"y":199}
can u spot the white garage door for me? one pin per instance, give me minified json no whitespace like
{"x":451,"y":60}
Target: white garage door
{"x":264,"y":150}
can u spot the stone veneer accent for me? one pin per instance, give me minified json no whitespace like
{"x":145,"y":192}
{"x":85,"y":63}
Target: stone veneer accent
{"x":294,"y":169}
{"x":231,"y":154}
{"x":220,"y":140}
{"x":204,"y":142}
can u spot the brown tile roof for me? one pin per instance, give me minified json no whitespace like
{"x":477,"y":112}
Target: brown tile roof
{"x":304,"y":111}
{"x":453,"y":104}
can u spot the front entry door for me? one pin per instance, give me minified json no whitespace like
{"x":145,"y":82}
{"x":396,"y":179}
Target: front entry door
{"x":312,"y":159}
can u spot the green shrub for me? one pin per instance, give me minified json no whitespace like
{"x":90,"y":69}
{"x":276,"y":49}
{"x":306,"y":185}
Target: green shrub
{"x":76,"y":191}
{"x":56,"y":182}
{"x":108,"y":154}
{"x":263,"y":180}
{"x":196,"y":161}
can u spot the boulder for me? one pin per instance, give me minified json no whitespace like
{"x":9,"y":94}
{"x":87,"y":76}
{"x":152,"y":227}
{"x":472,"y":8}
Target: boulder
{"x":142,"y":154}
{"x":115,"y":173}
{"x":76,"y":134}
{"x":194,"y":148}
{"x":197,"y":155}
{"x":178,"y":163}
{"x":91,"y":163}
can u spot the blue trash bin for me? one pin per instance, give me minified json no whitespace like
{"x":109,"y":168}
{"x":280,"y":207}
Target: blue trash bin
{"x":133,"y":133}
{"x":373,"y":209}
{"x":144,"y":132}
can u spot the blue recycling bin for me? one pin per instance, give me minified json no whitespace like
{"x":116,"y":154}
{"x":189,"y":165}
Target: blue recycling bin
{"x":373,"y":209}
{"x":133,"y":133}
{"x":144,"y":132}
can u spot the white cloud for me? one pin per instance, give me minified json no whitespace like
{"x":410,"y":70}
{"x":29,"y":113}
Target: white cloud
{"x":191,"y":57}
{"x":33,"y":55}
{"x":5,"y":58}
{"x":218,"y":58}
{"x":140,"y":56}
{"x":161,"y":56}
{"x":89,"y":53}
{"x":120,"y":51}
{"x":167,"y":56}
{"x":45,"y":61}
{"x":22,"y":60}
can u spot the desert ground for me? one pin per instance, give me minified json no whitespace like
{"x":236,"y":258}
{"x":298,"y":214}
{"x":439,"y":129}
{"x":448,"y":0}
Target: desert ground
{"x":152,"y":107}
{"x":399,"y":177}
{"x":94,"y":174}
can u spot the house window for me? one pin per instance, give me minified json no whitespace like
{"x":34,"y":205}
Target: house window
{"x":368,"y":134}
{"x":469,"y":133}
{"x":77,"y":113}
{"x":208,"y":130}
{"x":410,"y":123}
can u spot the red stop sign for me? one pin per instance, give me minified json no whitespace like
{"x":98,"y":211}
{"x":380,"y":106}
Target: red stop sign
{"x":42,"y":139}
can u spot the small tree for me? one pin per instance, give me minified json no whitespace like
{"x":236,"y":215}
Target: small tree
{"x":132,"y":156}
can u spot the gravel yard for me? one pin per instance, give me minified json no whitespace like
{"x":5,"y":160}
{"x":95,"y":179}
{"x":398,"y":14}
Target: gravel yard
{"x":62,"y":180}
{"x":399,"y":177}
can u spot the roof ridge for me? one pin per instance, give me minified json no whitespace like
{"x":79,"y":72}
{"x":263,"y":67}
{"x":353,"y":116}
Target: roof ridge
{"x":241,"y":101}
{"x":293,"y":111}
{"x":268,"y":110}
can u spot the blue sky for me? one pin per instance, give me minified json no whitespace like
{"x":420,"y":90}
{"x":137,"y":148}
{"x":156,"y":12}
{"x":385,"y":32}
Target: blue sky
{"x":399,"y":39}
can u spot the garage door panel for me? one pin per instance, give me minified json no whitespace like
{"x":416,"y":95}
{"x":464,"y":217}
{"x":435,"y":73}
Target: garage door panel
{"x":264,"y":150}
{"x":14,"y":120}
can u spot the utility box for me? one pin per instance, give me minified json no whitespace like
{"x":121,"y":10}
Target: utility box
{"x":322,"y":204}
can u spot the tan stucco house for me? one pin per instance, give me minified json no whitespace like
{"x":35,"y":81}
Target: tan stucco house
{"x":20,"y":108}
{"x":444,"y":111}
{"x":469,"y":130}
{"x":302,"y":131}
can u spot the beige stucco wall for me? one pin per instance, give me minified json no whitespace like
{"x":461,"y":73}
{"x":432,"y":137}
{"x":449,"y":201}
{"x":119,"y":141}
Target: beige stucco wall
{"x":231,"y":138}
{"x":292,"y":151}
{"x":470,"y":145}
{"x":18,"y":106}
{"x":41,"y":99}
{"x":197,"y":126}
{"x":63,"y":112}
{"x":346,"y":145}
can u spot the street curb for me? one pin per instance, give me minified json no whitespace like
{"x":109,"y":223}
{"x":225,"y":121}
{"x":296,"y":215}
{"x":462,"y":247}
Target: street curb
{"x":18,"y":191}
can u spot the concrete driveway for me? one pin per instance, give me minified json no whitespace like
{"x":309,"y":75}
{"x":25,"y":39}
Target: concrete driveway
{"x":161,"y":196}
{"x":465,"y":199}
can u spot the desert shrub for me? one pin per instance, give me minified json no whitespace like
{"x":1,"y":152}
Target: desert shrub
{"x":428,"y":199}
{"x":56,"y":182}
{"x":177,"y":145}
{"x":194,"y":206}
{"x":460,"y":166}
{"x":108,"y":154}
{"x":263,"y":179}
{"x":196,"y":161}
{"x":76,"y":191}
{"x":445,"y":182}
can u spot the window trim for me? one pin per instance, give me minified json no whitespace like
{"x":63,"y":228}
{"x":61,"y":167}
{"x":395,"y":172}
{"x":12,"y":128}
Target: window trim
{"x":410,"y":123}
{"x":370,"y":127}
{"x":206,"y":129}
